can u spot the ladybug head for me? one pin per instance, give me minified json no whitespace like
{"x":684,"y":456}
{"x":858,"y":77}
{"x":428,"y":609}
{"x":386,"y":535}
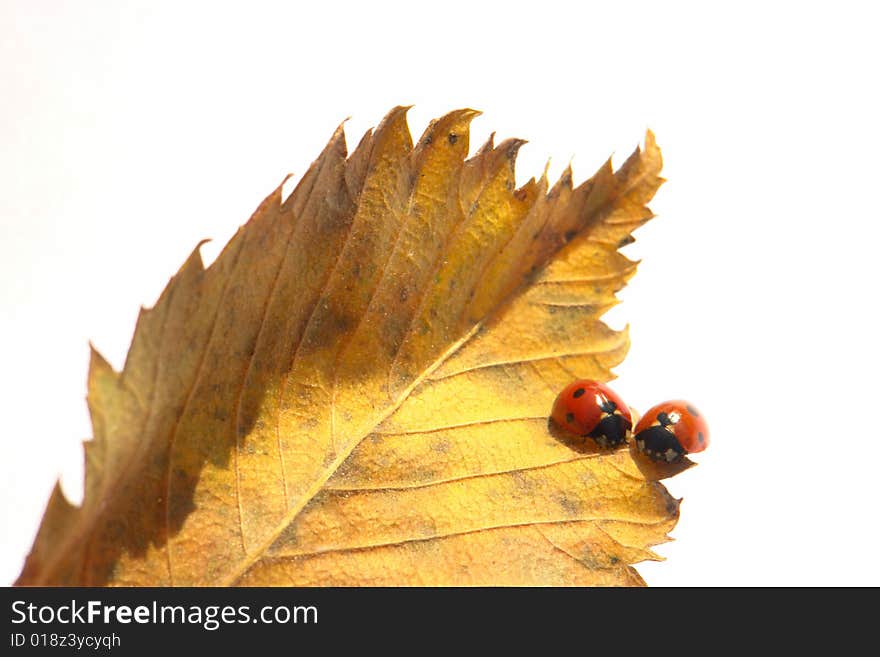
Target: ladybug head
{"x":606,"y":405}
{"x":668,"y":419}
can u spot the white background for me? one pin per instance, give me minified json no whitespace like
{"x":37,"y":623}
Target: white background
{"x":129,"y":131}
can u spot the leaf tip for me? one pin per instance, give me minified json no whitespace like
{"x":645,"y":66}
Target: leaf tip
{"x":195,"y":262}
{"x":461,"y":117}
{"x":513,"y":146}
{"x":337,"y":141}
{"x":486,"y":147}
{"x":652,"y":151}
{"x":565,"y":179}
{"x":395,"y":114}
{"x":98,"y":365}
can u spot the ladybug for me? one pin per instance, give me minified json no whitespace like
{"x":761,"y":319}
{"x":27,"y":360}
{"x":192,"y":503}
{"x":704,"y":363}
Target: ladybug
{"x":670,"y":430}
{"x":590,"y":408}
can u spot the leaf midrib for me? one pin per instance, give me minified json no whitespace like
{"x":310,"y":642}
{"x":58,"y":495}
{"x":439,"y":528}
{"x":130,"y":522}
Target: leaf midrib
{"x":319,"y":482}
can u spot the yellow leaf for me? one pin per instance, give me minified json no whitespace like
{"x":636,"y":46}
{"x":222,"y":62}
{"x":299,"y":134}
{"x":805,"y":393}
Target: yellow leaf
{"x":357,"y":391}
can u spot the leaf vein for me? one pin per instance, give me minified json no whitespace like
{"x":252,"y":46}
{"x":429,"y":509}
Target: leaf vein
{"x":405,"y":541}
{"x":528,"y":360}
{"x":470,"y":477}
{"x":463,"y":425}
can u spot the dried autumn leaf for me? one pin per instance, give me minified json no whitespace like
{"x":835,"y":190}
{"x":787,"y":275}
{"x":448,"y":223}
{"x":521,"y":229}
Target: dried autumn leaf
{"x":357,"y":390}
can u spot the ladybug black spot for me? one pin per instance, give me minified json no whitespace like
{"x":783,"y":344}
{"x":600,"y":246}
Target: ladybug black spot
{"x":692,"y":410}
{"x":701,"y":438}
{"x":569,"y":417}
{"x":578,"y":393}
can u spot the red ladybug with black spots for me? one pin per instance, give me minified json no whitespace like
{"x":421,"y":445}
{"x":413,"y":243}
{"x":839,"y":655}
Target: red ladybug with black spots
{"x":590,"y":408}
{"x":671,"y":429}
